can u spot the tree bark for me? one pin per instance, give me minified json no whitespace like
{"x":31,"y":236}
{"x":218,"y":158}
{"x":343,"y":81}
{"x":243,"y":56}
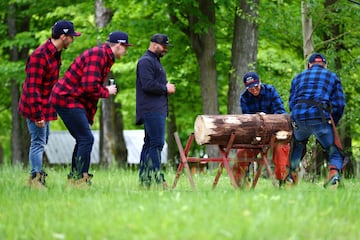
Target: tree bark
{"x":345,"y":127}
{"x":107,"y":141}
{"x":112,"y":142}
{"x":102,"y":14}
{"x":120,"y":151}
{"x":204,"y":46}
{"x":20,"y":139}
{"x":248,"y":128}
{"x":307,"y":31}
{"x":171,"y":128}
{"x":244,"y":51}
{"x":203,"y":43}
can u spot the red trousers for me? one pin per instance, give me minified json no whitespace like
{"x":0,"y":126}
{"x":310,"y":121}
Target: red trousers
{"x":280,"y":158}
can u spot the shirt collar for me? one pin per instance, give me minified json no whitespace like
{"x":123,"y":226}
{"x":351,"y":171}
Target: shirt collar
{"x":51,"y":47}
{"x":110,"y":53}
{"x":153,"y":54}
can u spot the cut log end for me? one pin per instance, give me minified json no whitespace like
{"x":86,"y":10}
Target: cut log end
{"x":202,"y":129}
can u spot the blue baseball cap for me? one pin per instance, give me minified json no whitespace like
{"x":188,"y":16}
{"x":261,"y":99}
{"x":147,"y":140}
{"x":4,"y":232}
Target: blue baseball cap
{"x":251,"y":79}
{"x":64,"y":27}
{"x":317,"y":57}
{"x":119,"y":37}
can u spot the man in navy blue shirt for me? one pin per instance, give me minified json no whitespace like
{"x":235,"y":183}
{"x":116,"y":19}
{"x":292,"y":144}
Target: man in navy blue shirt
{"x":152,"y":90}
{"x":261,"y":98}
{"x":316,"y":99}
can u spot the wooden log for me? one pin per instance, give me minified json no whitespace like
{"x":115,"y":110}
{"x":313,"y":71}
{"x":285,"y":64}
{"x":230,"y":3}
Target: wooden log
{"x":252,"y":129}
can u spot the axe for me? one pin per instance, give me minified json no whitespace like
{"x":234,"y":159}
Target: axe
{"x":338,"y":144}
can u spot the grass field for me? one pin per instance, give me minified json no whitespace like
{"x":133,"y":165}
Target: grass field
{"x":116,"y":208}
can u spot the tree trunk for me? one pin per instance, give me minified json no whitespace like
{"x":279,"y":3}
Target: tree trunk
{"x":307,"y":31}
{"x":244,"y":51}
{"x":203,"y":43}
{"x":102,"y":14}
{"x":120,"y":152}
{"x":107,"y":140}
{"x":248,"y":128}
{"x":20,"y":139}
{"x":171,"y":128}
{"x":345,"y":127}
{"x":112,"y":142}
{"x":204,"y":46}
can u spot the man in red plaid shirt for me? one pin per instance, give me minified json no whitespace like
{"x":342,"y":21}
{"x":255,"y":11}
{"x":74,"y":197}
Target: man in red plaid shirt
{"x":76,"y":95}
{"x":42,"y":72}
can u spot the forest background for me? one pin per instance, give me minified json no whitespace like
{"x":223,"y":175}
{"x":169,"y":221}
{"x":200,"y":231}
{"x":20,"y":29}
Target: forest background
{"x":214,"y":42}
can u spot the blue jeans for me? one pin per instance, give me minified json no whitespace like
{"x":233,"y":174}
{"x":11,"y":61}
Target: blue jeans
{"x":39,"y":138}
{"x":323,"y":132}
{"x":150,"y":158}
{"x":77,"y":123}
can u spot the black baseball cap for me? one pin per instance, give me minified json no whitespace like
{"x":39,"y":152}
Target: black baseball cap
{"x":160,"y":39}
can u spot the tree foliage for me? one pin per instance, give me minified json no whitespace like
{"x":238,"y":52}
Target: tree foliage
{"x":279,"y":59}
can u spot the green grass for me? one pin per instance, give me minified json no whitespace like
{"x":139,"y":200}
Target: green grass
{"x":116,"y":208}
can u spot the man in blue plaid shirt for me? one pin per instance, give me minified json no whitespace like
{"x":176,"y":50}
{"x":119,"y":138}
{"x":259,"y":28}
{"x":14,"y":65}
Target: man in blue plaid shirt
{"x":261,"y":98}
{"x":316,"y":96}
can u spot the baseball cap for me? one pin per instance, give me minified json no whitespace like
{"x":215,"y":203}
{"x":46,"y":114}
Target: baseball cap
{"x":119,"y":37}
{"x":251,"y":79}
{"x":160,"y":39}
{"x":64,"y":27}
{"x":317,"y":57}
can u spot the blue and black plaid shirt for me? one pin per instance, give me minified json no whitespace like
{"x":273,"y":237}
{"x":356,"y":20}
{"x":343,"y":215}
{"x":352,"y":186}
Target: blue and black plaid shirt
{"x":317,"y":85}
{"x":268,"y":101}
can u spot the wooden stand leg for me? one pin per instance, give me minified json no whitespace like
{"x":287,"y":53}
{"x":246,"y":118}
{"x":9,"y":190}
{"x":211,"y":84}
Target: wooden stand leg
{"x":225,"y":163}
{"x":268,"y":169}
{"x":223,"y":159}
{"x":218,"y":174}
{"x":257,"y":175}
{"x":184,"y":162}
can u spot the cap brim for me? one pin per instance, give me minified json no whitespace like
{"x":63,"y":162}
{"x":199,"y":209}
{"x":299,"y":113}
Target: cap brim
{"x":128,"y":44}
{"x":252,"y":85}
{"x":76,"y":34}
{"x":167,"y":45}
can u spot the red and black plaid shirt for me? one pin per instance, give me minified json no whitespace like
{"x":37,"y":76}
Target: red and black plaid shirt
{"x":42,"y":72}
{"x":83,"y":83}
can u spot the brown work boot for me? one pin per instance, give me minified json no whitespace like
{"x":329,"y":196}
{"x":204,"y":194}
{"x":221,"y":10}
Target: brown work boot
{"x":37,"y":181}
{"x":83,"y":182}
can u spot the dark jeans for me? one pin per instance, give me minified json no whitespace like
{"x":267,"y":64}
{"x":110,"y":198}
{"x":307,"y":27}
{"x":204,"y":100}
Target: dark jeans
{"x":323,"y":132}
{"x":150,"y":158}
{"x":77,"y":123}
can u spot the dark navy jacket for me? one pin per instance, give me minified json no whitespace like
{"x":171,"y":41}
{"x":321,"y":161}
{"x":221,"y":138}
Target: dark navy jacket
{"x":151,"y":91}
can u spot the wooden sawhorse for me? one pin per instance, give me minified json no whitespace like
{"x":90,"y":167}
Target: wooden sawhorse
{"x":224,"y":160}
